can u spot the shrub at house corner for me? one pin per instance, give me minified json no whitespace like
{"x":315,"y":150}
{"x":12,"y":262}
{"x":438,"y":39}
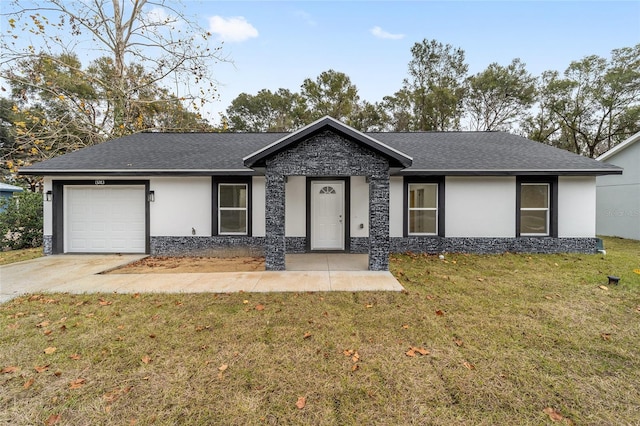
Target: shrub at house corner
{"x":21,"y":221}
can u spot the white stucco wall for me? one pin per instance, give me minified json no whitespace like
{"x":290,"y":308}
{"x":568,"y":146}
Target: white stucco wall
{"x":295,"y":208}
{"x":47,"y":209}
{"x":180,"y":205}
{"x":480,"y":206}
{"x":576,"y":206}
{"x":257,"y":206}
{"x":359,"y":206}
{"x":618,"y":196}
{"x":396,"y":209}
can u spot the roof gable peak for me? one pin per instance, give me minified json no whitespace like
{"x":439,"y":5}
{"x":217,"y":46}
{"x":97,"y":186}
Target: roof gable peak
{"x":258,"y":157}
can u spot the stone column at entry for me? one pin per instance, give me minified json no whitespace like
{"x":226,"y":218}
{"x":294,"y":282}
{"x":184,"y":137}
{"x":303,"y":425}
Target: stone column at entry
{"x":274,"y":222}
{"x":379,"y":243}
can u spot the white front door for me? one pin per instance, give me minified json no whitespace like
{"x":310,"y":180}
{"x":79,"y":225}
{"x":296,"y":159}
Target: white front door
{"x":327,"y":215}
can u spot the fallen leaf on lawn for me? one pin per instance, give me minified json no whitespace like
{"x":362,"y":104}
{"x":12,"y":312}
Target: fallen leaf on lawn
{"x":306,"y":335}
{"x":116,"y":393}
{"x":120,"y":327}
{"x":410,"y":352}
{"x":421,"y":351}
{"x":259,"y":307}
{"x":548,"y":297}
{"x":636,"y":271}
{"x":28,"y":383}
{"x":52,"y":420}
{"x":50,"y":350}
{"x":430,"y":297}
{"x":355,"y":357}
{"x":480,"y":279}
{"x":146,"y":359}
{"x":553,"y":414}
{"x":347,"y":352}
{"x":604,"y":287}
{"x":223,"y":367}
{"x":77,"y":384}
{"x":245,"y":301}
{"x":638,"y":308}
{"x":458,"y":342}
{"x":606,"y":336}
{"x":469,"y":366}
{"x":354,"y":367}
{"x":439,"y":313}
{"x":405,"y":326}
{"x":10,"y":369}
{"x":46,"y":332}
{"x":41,"y":368}
{"x":302,"y":401}
{"x":104,"y":302}
{"x":75,"y":357}
{"x":369,"y":306}
{"x":43,"y":324}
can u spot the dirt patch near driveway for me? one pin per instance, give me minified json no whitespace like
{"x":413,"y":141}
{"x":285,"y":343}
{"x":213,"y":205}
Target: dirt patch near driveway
{"x":176,"y":265}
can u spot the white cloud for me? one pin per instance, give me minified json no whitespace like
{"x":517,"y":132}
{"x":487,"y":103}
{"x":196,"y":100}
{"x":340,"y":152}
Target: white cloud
{"x":234,"y":29}
{"x":305,"y":17}
{"x":380,"y":33}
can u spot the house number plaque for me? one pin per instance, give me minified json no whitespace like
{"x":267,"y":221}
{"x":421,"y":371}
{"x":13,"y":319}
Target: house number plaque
{"x":99,"y":182}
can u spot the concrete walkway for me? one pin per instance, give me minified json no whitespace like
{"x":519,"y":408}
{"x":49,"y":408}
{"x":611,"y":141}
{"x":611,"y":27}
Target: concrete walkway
{"x":81,"y":274}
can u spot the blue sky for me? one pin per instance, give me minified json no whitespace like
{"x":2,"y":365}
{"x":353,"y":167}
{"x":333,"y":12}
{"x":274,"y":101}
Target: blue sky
{"x":370,"y":41}
{"x":276,"y":44}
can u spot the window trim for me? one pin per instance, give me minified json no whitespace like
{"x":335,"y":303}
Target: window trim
{"x":440,"y":202}
{"x":215,"y":204}
{"x":552,"y":209}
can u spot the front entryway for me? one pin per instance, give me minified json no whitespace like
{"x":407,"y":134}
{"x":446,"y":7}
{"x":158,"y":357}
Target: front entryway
{"x":327,"y":215}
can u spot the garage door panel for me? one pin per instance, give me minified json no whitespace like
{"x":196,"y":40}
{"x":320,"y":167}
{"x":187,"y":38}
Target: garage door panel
{"x":105,"y":219}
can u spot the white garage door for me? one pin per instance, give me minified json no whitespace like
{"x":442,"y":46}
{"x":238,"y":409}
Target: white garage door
{"x":106,"y":219}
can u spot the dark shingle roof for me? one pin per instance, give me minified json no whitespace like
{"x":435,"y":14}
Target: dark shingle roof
{"x":450,"y":153}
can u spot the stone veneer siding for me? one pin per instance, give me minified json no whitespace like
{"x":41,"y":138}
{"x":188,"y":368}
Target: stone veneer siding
{"x":327,"y":155}
{"x":47,"y":245}
{"x":222,"y":246}
{"x":493,"y":245}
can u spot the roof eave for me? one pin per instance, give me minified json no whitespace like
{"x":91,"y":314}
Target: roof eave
{"x":506,"y":172}
{"x":141,"y":172}
{"x":620,"y":147}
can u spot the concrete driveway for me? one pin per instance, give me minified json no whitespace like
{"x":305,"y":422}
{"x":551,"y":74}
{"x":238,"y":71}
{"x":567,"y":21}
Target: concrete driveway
{"x":81,"y":274}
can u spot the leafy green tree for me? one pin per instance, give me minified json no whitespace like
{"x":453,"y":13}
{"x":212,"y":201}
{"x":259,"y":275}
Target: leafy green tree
{"x":21,"y":221}
{"x":593,"y":106}
{"x":432,"y":95}
{"x":499,"y":96}
{"x":332,"y":94}
{"x":280,"y":111}
{"x":368,"y":117}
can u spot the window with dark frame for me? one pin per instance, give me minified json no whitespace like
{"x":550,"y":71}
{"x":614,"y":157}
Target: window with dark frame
{"x":422,"y":209}
{"x":535,"y":201}
{"x":232,"y":208}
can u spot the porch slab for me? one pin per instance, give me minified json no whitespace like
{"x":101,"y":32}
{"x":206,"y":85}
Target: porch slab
{"x":327,"y":262}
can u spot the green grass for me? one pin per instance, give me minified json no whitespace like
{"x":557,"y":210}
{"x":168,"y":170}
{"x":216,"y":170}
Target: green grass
{"x":509,"y":336}
{"x":12,"y":256}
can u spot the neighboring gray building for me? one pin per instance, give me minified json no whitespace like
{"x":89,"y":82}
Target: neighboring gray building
{"x":325,"y":187}
{"x":618,"y":197}
{"x":6,"y":191}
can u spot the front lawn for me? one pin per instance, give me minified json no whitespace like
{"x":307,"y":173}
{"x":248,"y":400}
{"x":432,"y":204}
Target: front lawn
{"x":12,"y":256}
{"x":500,"y":339}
